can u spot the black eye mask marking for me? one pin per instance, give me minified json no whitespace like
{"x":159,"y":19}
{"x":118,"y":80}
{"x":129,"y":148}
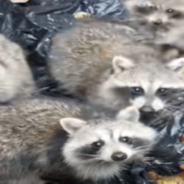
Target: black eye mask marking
{"x":165,"y":93}
{"x":146,"y":9}
{"x":86,"y":153}
{"x":137,"y":142}
{"x":89,"y":151}
{"x":128,"y":92}
{"x":162,"y":92}
{"x":133,"y":141}
{"x":174,"y":13}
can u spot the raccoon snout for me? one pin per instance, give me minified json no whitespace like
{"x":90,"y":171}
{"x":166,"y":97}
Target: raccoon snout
{"x":147,"y":109}
{"x":118,"y":156}
{"x":157,"y":22}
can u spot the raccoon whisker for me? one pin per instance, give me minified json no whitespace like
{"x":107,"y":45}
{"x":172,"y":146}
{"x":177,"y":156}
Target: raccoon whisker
{"x":141,"y":147}
{"x":175,"y":108}
{"x":98,"y":163}
{"x":143,"y":150}
{"x":176,"y":103}
{"x":172,"y":105}
{"x":81,"y":154}
{"x":124,"y":167}
{"x":101,"y":163}
{"x":172,"y":108}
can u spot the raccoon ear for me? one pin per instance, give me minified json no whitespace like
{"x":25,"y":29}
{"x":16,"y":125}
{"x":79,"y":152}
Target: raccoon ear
{"x":130,"y":114}
{"x":120,"y":63}
{"x":71,"y":125}
{"x":176,"y":64}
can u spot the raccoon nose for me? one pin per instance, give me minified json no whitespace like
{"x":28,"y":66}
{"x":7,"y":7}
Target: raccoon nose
{"x":157,"y":22}
{"x":146,"y":109}
{"x":118,"y":156}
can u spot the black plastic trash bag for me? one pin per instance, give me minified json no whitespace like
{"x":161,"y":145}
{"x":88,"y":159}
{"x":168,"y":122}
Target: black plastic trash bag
{"x":28,"y":23}
{"x":168,"y":154}
{"x":161,"y":119}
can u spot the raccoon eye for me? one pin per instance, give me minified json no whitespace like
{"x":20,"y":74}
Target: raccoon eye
{"x":97,"y":144}
{"x":174,"y":13}
{"x":125,"y":140}
{"x":162,"y":91}
{"x":170,"y":10}
{"x":137,"y":91}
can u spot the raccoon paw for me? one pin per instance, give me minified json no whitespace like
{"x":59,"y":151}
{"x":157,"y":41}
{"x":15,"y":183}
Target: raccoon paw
{"x":81,"y":15}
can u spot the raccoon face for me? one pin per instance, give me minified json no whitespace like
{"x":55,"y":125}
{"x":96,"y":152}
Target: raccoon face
{"x":156,"y":13}
{"x":98,"y":150}
{"x":157,"y":18}
{"x":149,"y":84}
{"x":164,"y":14}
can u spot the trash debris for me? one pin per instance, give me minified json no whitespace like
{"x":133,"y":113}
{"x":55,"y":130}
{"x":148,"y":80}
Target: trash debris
{"x":19,"y":1}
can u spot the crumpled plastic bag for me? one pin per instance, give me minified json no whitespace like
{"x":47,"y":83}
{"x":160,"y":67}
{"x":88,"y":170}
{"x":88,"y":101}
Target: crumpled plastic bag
{"x":167,"y":157}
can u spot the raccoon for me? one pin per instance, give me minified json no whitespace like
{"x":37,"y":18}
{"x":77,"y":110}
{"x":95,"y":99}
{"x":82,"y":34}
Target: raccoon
{"x":153,"y":21}
{"x":156,"y":18}
{"x":16,"y":77}
{"x":158,"y":13}
{"x":167,"y":12}
{"x":99,"y":64}
{"x":86,"y":149}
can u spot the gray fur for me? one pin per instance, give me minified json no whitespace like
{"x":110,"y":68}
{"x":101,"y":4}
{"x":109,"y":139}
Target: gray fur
{"x":33,"y":143}
{"x":174,"y":37}
{"x":82,"y":60}
{"x":156,"y":11}
{"x":161,"y":19}
{"x":109,"y":132}
{"x":16,"y":80}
